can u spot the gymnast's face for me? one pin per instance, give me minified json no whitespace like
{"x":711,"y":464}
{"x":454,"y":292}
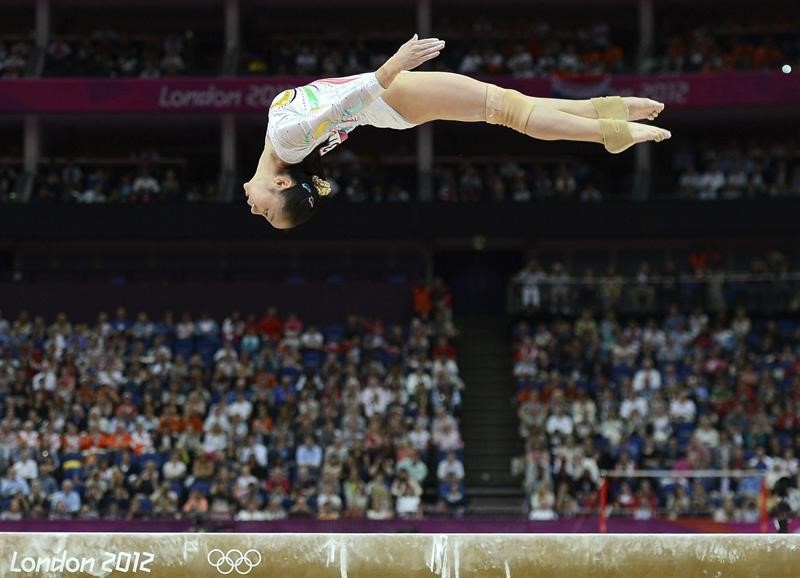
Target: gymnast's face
{"x":264,"y":198}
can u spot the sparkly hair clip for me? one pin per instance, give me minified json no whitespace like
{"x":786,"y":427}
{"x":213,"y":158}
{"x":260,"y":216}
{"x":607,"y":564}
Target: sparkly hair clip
{"x":323,"y":187}
{"x":311,"y":201}
{"x":306,"y":187}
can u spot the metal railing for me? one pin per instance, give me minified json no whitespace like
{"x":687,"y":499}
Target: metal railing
{"x":768,"y":293}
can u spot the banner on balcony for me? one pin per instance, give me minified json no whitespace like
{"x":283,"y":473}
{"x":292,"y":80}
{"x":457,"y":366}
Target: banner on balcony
{"x":254,"y":95}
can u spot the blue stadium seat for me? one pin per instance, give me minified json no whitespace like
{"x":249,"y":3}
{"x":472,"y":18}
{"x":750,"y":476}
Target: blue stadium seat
{"x":202,"y":486}
{"x":683,"y":432}
{"x":74,"y":474}
{"x":177,"y":487}
{"x":159,"y":459}
{"x":184,"y":347}
{"x":312,"y":359}
{"x":333,"y":333}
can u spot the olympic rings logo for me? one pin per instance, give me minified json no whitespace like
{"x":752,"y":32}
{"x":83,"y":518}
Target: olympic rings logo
{"x":234,"y":561}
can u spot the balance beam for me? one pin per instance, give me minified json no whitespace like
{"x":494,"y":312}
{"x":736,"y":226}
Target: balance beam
{"x":400,"y":555}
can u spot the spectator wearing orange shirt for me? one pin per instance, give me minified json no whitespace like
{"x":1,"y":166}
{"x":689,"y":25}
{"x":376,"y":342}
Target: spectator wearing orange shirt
{"x":171,"y":422}
{"x":117,"y":441}
{"x":92,"y":440}
{"x":422,"y":301}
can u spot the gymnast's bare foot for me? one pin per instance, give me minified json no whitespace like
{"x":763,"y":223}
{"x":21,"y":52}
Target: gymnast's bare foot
{"x":642,"y":108}
{"x":645,"y":132}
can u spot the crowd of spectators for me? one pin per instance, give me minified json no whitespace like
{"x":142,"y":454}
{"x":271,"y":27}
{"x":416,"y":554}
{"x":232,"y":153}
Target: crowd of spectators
{"x":515,"y":46}
{"x":679,"y":392}
{"x":768,"y":286}
{"x":769,"y":169}
{"x":510,"y":180}
{"x":14,"y":57}
{"x":244,"y":419}
{"x":110,"y":53}
{"x":8,"y":177}
{"x":742,"y":41}
{"x":737,"y":171}
{"x":525,"y":47}
{"x":139,"y":181}
{"x":515,"y":181}
{"x":506,"y":43}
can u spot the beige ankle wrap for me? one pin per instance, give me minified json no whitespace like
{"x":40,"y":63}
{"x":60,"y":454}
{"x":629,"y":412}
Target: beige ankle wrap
{"x":616,"y":134}
{"x":610,"y":107}
{"x":508,"y":108}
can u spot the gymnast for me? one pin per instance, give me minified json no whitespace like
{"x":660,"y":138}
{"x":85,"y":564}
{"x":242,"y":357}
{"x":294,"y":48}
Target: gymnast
{"x":309,"y":121}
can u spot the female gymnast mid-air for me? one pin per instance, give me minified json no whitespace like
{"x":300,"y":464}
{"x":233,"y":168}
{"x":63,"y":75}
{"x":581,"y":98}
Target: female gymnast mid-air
{"x":307,"y":122}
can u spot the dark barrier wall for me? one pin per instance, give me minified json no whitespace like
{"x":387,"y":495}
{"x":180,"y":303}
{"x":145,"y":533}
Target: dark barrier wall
{"x":510,"y":526}
{"x":615,"y":219}
{"x":318,"y":303}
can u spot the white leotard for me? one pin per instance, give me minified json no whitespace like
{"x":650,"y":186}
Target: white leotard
{"x":301,"y":119}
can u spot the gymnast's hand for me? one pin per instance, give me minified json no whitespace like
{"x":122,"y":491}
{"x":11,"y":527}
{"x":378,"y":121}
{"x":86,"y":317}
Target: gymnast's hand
{"x":409,"y":56}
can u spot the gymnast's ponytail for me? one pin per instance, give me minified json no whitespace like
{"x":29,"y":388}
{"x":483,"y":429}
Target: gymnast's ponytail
{"x":302,"y":199}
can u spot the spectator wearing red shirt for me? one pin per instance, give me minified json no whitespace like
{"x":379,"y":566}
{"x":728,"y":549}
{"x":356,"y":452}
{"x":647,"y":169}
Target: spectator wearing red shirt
{"x":443,"y":349}
{"x":270,"y":325}
{"x":277,"y":483}
{"x":127,"y":409}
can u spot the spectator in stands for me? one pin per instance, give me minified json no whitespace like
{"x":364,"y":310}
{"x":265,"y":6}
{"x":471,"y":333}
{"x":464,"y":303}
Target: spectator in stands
{"x":530,"y":279}
{"x":309,"y":454}
{"x":415,"y":467}
{"x":12,"y":485}
{"x":145,"y":186}
{"x":407,"y":493}
{"x":448,"y":439}
{"x":450,"y":468}
{"x":196,"y":506}
{"x":67,"y":500}
{"x":218,"y":430}
{"x":453,"y":500}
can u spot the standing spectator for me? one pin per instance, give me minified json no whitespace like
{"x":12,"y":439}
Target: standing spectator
{"x":145,"y":186}
{"x":530,"y":280}
{"x":559,"y":289}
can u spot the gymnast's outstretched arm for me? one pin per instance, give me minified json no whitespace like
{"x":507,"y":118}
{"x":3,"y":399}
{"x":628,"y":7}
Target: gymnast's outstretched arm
{"x":295,"y":139}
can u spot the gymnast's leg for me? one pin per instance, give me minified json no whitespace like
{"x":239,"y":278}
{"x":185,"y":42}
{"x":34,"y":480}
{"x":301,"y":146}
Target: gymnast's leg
{"x":425,"y":96}
{"x":624,"y":108}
